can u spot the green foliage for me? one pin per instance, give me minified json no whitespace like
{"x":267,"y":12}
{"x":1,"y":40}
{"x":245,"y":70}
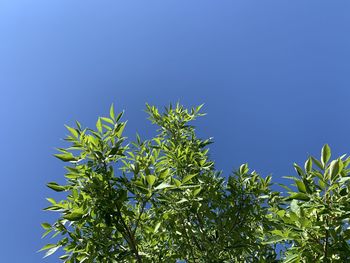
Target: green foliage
{"x":313,"y":220}
{"x":162,"y":200}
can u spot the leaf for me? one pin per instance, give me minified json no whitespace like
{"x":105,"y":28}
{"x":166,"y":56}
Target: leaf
{"x":119,"y":116}
{"x":46,"y":226}
{"x":243,"y":169}
{"x":110,"y":121}
{"x":150,"y":179}
{"x":294,"y":207}
{"x":99,"y":125}
{"x":56,"y":187}
{"x":346,"y":162}
{"x":121,"y":129}
{"x":188,"y":178}
{"x":177,"y":182}
{"x":66,"y":157}
{"x":164,"y":173}
{"x":275,"y":239}
{"x":51,"y":200}
{"x":46,"y":233}
{"x":73,"y":131}
{"x":196,"y":191}
{"x":156,"y":227}
{"x":308,"y":165}
{"x":163,"y":185}
{"x":78,"y":125}
{"x":111,"y":112}
{"x":321,"y":184}
{"x":298,"y":196}
{"x":284,"y":186}
{"x":335,"y":168}
{"x":183,"y":200}
{"x":48,"y":246}
{"x":199,"y":108}
{"x":51,"y":251}
{"x":298,"y":169}
{"x":281,"y":213}
{"x":317,"y":162}
{"x":74,"y":216}
{"x":301,"y":186}
{"x":343,"y":180}
{"x":325,"y":154}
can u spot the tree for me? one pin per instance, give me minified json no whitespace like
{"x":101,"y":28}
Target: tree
{"x":162,"y":200}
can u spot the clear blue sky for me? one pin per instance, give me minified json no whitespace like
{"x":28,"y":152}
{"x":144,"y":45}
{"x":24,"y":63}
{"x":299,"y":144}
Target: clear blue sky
{"x":274,"y":77}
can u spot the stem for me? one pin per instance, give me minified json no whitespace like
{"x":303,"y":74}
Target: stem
{"x":325,"y":246}
{"x":190,"y":245}
{"x":144,"y":202}
{"x":131,"y":238}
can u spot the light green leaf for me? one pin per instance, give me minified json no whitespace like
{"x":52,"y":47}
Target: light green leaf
{"x":243,"y":169}
{"x":74,"y":216}
{"x":196,"y":191}
{"x":48,"y":246}
{"x":335,"y":168}
{"x":111,"y":112}
{"x":308,"y":165}
{"x":298,"y":196}
{"x":317,"y":162}
{"x":344,"y":180}
{"x":66,"y":157}
{"x":73,"y":131}
{"x":51,"y":200}
{"x":46,"y":226}
{"x":298,"y":169}
{"x":322,"y":184}
{"x":150,"y":179}
{"x":110,"y":121}
{"x":183,"y":200}
{"x":163,"y":185}
{"x":188,"y":178}
{"x":99,"y":125}
{"x":177,"y":182}
{"x":301,"y":186}
{"x":46,"y":233}
{"x":164,"y":174}
{"x":51,"y":251}
{"x":157,"y":227}
{"x":294,"y":207}
{"x":121,"y":129}
{"x":56,"y":187}
{"x":325,"y":154}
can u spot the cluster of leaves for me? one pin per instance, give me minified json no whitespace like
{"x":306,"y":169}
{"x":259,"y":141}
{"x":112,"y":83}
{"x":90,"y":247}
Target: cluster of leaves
{"x":161,"y":200}
{"x":313,"y":221}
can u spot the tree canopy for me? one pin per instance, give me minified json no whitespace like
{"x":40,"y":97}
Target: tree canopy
{"x":162,"y":200}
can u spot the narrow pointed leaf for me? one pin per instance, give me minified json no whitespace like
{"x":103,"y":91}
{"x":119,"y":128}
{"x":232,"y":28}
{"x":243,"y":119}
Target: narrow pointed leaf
{"x":56,"y":187}
{"x":111,"y":112}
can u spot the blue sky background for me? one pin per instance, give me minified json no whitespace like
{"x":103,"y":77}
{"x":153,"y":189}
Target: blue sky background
{"x":274,"y":77}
